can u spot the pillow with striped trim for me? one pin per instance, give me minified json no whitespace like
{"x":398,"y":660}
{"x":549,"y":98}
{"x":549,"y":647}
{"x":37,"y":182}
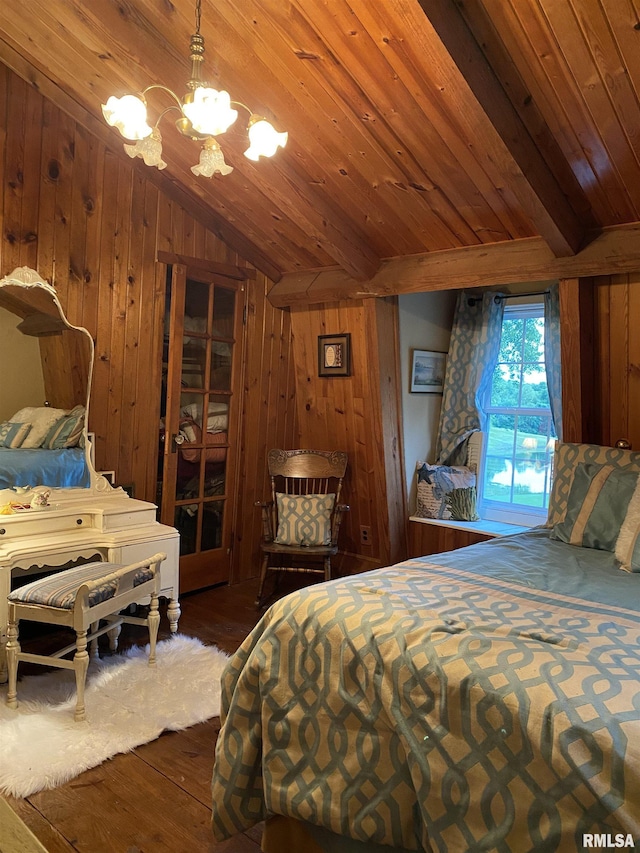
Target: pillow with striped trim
{"x":13,"y":434}
{"x":597,"y":506}
{"x":65,"y":432}
{"x":628,"y":542}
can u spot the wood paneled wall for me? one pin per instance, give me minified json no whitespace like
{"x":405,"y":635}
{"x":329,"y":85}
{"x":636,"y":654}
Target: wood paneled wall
{"x":90,"y":221}
{"x":269,"y":416}
{"x":617,"y":353}
{"x":359,"y":414}
{"x":601,"y":359}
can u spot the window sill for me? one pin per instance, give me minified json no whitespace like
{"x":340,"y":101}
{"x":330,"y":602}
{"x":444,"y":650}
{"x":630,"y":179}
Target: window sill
{"x":484,"y":527}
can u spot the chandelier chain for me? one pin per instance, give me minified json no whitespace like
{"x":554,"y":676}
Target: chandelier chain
{"x":198,"y":15}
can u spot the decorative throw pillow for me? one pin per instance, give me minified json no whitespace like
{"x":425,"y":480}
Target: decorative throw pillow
{"x":597,"y":506}
{"x":13,"y":434}
{"x":565,"y":461}
{"x":65,"y":432}
{"x":446,"y":492}
{"x":304,"y":519}
{"x":41,"y":418}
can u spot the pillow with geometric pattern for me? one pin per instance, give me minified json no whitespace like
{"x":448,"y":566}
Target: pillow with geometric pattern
{"x":304,"y":519}
{"x":13,"y":434}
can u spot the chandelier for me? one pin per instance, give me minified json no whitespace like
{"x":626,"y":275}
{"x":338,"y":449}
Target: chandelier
{"x":204,"y":114}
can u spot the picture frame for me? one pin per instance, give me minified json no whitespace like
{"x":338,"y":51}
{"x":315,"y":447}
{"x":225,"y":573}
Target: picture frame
{"x":334,"y":355}
{"x":427,"y":372}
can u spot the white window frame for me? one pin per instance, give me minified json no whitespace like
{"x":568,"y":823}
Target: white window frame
{"x":496,"y":510}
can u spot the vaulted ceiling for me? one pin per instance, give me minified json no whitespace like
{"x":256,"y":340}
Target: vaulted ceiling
{"x":414,"y":127}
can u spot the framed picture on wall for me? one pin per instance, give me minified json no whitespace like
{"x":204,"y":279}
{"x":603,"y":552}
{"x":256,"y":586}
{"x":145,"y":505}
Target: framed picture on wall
{"x":427,"y":372}
{"x":334,"y":355}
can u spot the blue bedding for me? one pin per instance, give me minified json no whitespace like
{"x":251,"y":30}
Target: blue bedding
{"x":37,"y":467}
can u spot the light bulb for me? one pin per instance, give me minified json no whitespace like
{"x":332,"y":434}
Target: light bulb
{"x":210,"y":111}
{"x":129,"y":115}
{"x":264,"y":139}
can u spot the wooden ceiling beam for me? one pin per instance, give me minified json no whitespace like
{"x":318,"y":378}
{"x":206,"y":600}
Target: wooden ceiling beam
{"x":613,"y":250}
{"x":533,"y":183}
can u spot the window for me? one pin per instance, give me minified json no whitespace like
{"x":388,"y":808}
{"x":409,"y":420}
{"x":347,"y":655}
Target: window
{"x":515,"y":480}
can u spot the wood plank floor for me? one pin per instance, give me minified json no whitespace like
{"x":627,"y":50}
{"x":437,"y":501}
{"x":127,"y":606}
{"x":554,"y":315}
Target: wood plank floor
{"x":155,"y":799}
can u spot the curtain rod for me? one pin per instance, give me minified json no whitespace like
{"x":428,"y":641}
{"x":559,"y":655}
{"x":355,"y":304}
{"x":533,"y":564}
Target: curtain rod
{"x":499,"y":297}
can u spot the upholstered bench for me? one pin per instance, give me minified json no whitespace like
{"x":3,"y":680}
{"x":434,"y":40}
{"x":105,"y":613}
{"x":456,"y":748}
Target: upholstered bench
{"x":81,"y":598}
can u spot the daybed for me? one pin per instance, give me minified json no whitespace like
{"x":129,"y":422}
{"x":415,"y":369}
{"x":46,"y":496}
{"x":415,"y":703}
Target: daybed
{"x":484,"y":699}
{"x":44,"y":446}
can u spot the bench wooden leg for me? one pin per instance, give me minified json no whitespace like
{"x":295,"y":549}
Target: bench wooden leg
{"x":12,"y":652}
{"x":173,"y":614}
{"x":153,"y":621}
{"x":113,"y":634}
{"x":80,"y":665}
{"x":93,"y":648}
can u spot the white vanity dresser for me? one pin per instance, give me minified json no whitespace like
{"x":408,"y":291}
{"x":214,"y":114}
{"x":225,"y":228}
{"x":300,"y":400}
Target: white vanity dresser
{"x":82,"y":516}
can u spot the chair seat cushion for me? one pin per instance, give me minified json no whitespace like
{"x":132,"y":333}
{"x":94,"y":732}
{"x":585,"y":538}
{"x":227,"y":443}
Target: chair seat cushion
{"x":59,"y":590}
{"x":304,"y":519}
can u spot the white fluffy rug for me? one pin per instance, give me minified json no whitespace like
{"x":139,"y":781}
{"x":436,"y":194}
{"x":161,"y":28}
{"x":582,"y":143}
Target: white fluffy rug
{"x":128,"y":703}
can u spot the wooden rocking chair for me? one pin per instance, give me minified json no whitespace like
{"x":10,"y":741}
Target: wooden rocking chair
{"x":300,"y":523}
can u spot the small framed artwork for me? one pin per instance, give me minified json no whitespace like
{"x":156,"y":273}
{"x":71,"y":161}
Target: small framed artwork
{"x":334,"y":355}
{"x":427,"y":372}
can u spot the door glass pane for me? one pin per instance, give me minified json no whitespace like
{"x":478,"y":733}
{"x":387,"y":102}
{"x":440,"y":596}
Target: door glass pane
{"x":212,"y":525}
{"x":222,"y":338}
{"x":224,"y":306}
{"x":186,"y":521}
{"x":215,"y":477}
{"x":194,"y":349}
{"x":193,"y":361}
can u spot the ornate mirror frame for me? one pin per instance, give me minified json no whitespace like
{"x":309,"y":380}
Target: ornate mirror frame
{"x":25,"y":277}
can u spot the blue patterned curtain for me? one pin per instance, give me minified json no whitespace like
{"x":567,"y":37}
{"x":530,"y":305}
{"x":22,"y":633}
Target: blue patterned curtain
{"x":552,"y":355}
{"x":473,"y":353}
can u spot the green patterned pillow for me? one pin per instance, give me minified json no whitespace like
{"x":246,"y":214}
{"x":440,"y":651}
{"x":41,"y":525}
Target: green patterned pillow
{"x":597,"y":507}
{"x":13,"y":434}
{"x":304,"y":519}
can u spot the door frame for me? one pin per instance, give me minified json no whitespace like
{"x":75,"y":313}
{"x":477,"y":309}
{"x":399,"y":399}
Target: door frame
{"x":232,"y":278}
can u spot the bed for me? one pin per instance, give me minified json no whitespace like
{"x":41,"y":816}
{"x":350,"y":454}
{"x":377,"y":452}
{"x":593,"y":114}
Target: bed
{"x":44,"y":446}
{"x":482,"y":699}
{"x":61,"y":468}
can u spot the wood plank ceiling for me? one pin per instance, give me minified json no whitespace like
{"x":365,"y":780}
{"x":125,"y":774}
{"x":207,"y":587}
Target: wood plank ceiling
{"x":414,"y":127}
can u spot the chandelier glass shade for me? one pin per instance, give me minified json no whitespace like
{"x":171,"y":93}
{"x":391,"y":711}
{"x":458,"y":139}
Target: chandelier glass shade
{"x":204,"y":113}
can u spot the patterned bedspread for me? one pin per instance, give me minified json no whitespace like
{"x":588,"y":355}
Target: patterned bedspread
{"x":439,"y":708}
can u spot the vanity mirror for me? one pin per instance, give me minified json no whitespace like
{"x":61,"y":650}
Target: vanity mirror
{"x":44,"y":392}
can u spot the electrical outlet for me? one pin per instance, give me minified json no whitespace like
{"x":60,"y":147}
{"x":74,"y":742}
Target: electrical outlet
{"x":365,"y":535}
